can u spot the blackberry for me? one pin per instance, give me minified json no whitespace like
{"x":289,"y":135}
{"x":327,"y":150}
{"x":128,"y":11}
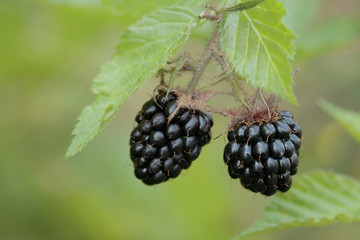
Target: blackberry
{"x":167,"y":138}
{"x":264,"y":156}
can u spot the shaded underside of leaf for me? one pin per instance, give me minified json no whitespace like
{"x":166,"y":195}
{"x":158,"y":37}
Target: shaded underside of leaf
{"x":348,"y":119}
{"x":315,"y":199}
{"x":143,"y":49}
{"x":260,"y":46}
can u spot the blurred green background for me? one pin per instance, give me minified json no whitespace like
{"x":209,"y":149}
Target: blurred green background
{"x":49,"y":54}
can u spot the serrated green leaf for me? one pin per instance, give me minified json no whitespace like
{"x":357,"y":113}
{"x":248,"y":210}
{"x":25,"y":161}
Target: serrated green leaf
{"x":315,"y":199}
{"x":259,"y":46}
{"x":133,"y":9}
{"x":144,"y":48}
{"x":348,"y":119}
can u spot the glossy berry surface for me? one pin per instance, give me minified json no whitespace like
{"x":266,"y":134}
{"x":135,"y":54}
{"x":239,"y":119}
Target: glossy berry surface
{"x":167,"y":139}
{"x":265,"y":156}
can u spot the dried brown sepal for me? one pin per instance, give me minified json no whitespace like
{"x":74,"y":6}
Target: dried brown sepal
{"x":196,"y":102}
{"x":260,"y":112}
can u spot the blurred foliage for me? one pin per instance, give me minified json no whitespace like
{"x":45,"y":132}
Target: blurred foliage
{"x":325,"y":35}
{"x":134,"y":10}
{"x":131,"y":11}
{"x":348,"y":119}
{"x":49,"y":55}
{"x":332,"y":34}
{"x":79,"y":3}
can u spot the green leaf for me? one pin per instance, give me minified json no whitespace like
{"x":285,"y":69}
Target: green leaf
{"x":331,"y":35}
{"x":348,"y":119}
{"x":259,"y":46}
{"x":144,"y":48}
{"x":132,"y":10}
{"x":315,"y":199}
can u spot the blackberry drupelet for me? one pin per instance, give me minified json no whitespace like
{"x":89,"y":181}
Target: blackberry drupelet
{"x":265,"y":156}
{"x":167,"y":138}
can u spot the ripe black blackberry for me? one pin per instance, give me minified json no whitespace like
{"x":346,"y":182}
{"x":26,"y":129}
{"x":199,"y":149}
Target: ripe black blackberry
{"x":264,"y":155}
{"x":168,"y":138}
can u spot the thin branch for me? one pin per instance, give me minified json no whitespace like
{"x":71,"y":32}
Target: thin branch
{"x":202,"y":64}
{"x":162,"y":77}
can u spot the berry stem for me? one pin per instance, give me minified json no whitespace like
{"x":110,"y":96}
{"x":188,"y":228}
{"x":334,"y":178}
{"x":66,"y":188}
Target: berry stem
{"x":213,"y":50}
{"x":219,"y":57}
{"x":162,"y":79}
{"x":237,"y":89}
{"x":266,"y":105}
{"x":201,"y":65}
